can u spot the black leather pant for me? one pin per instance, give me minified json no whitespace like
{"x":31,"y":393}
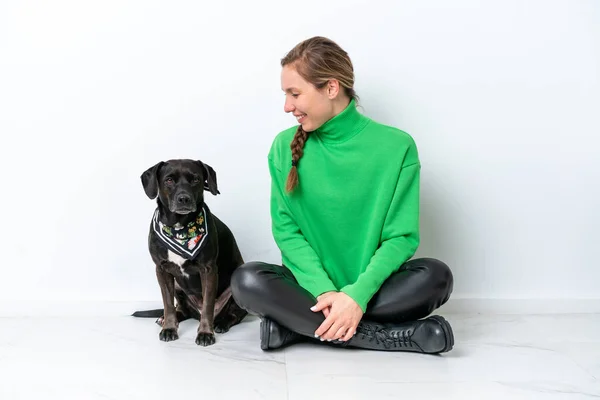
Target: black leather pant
{"x":413,"y":292}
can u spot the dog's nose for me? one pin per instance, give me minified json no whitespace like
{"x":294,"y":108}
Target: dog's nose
{"x":184,"y":199}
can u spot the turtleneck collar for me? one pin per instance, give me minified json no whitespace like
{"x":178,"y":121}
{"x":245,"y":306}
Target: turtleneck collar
{"x":343,"y":126}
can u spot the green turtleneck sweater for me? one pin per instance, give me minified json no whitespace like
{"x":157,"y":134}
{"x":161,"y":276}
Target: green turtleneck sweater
{"x":353,"y":219}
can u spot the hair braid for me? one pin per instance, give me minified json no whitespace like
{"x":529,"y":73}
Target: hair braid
{"x":297,"y":147}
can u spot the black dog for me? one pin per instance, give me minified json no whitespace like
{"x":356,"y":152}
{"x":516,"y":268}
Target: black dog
{"x":194,"y":252}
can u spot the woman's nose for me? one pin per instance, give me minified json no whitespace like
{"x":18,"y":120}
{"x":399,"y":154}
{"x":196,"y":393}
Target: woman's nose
{"x":288,"y":106}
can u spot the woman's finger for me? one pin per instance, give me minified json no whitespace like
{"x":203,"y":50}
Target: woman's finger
{"x":350,"y":333}
{"x":332,"y":331}
{"x":341,"y":332}
{"x":321,"y":304}
{"x":325,"y":325}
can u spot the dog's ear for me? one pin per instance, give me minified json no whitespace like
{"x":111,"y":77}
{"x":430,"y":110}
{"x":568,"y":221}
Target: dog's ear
{"x":150,"y":180}
{"x":210,"y":179}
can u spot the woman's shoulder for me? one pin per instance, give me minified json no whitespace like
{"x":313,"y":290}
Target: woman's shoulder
{"x":285,"y":136}
{"x":391,"y":140}
{"x":391,"y":134}
{"x":281,"y":143}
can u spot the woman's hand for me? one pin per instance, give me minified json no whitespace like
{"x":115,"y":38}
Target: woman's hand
{"x":322,"y":297}
{"x":344,"y":316}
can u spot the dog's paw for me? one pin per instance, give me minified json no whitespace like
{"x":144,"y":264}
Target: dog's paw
{"x":205,"y":339}
{"x":221,"y":329}
{"x":226,"y":322}
{"x":222,"y":325}
{"x":168,"y":335}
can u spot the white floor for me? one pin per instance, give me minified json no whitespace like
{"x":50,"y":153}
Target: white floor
{"x":495,"y":357}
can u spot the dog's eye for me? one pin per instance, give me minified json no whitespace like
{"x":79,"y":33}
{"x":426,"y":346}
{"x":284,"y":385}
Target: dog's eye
{"x":196,"y":180}
{"x":169,"y":180}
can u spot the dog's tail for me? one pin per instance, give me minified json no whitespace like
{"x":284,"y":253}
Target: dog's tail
{"x":149,"y":313}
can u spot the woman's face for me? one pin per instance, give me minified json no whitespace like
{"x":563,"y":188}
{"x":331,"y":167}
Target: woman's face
{"x":312,"y":107}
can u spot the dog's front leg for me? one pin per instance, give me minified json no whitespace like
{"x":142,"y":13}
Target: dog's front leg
{"x":166,"y":282}
{"x":209,"y":278}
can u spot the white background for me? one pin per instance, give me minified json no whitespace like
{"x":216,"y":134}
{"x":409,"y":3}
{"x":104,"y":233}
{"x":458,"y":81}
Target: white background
{"x":502,"y":98}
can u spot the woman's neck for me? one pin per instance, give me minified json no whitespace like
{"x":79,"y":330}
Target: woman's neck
{"x":340,"y":104}
{"x":344,"y":125}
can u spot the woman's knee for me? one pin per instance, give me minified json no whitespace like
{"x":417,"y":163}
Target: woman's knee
{"x":247,"y":276}
{"x":437,"y":271}
{"x":252,"y":286}
{"x":250,"y":280}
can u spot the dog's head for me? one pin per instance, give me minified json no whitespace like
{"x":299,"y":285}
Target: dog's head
{"x":180,"y":184}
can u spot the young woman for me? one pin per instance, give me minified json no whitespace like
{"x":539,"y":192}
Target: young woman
{"x":345,"y":215}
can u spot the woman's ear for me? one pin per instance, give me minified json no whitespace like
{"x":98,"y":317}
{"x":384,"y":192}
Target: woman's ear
{"x":333,"y":88}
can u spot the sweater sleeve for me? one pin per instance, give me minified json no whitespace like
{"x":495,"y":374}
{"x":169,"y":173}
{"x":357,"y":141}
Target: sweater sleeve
{"x":297,"y":253}
{"x":399,"y":237}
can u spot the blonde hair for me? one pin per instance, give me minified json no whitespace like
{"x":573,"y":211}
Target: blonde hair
{"x":317,"y":60}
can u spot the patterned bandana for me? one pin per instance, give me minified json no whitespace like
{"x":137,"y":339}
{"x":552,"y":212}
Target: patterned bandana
{"x":186,"y":241}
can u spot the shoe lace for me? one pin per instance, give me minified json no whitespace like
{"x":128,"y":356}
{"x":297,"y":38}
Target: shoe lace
{"x":389,"y":338}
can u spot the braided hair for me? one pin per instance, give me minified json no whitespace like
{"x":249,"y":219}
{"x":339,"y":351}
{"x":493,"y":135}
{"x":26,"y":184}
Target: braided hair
{"x":297,"y":147}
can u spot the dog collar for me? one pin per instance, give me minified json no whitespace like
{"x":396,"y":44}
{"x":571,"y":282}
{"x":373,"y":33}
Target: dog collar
{"x":185,"y":241}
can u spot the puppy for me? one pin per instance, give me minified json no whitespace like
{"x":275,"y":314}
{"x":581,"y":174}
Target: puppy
{"x":194,"y":252}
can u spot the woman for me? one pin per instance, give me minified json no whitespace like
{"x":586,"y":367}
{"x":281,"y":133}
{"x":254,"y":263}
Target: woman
{"x":345,"y":215}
